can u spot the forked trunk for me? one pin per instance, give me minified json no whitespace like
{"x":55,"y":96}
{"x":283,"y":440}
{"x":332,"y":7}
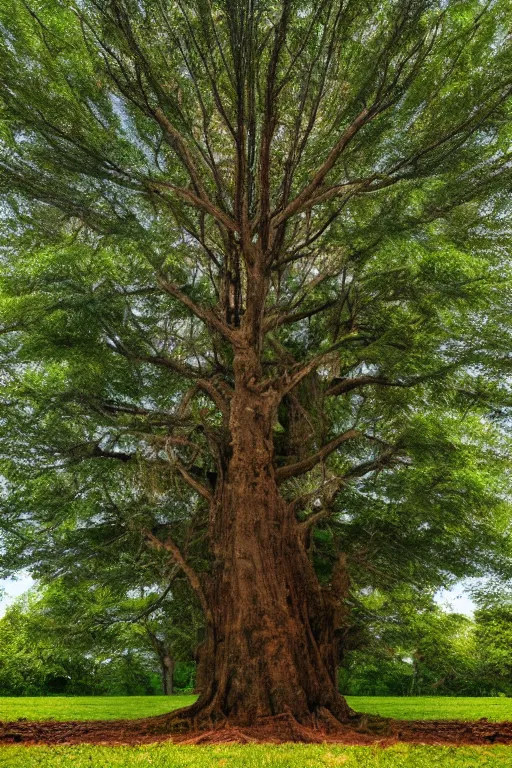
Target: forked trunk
{"x":270,"y":645}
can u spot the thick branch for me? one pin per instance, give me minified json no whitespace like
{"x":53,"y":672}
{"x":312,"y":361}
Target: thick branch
{"x":183,"y":369}
{"x":341,"y":386}
{"x":190,"y":480}
{"x":385,"y":459}
{"x":303,"y":197}
{"x":344,"y":385}
{"x":289,"y":380}
{"x":178,"y":558}
{"x":207,"y":316}
{"x":219,"y":391}
{"x":198,"y":202}
{"x":162,"y":417}
{"x":99,"y":453}
{"x":294,"y":317}
{"x":300,"y":467}
{"x":177,"y":142}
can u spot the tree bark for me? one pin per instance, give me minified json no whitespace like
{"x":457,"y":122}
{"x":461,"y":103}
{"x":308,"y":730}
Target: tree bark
{"x":167,"y":665}
{"x":270,"y":647}
{"x":165,"y":659}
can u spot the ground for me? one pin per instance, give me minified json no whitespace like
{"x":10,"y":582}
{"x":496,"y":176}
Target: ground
{"x":167,"y":755}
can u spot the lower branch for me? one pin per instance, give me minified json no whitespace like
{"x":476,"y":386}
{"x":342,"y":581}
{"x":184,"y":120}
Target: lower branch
{"x":170,"y":546}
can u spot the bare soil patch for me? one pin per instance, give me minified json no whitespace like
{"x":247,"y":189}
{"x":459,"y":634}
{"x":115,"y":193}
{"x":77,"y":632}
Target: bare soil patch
{"x":363,"y":730}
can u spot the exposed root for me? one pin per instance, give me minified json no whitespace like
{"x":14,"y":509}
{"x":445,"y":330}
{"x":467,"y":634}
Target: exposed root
{"x":223,"y":735}
{"x":322,"y":727}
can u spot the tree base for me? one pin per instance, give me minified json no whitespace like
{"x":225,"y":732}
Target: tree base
{"x":210,"y":727}
{"x":361,"y":730}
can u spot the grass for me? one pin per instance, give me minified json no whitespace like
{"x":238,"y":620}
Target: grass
{"x":258,"y":756}
{"x":111,"y":707}
{"x":89,"y":707}
{"x":435,"y":707}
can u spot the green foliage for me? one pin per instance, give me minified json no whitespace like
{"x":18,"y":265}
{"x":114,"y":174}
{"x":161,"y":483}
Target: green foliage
{"x":493,"y":636}
{"x":89,"y":641}
{"x":411,"y":647}
{"x":31,"y":664}
{"x":132,"y":166}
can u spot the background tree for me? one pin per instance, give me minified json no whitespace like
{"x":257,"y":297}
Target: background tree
{"x":493,"y":636}
{"x":159,"y":629}
{"x":33,"y":663}
{"x":88,"y":640}
{"x":409,"y":646}
{"x":258,"y":251}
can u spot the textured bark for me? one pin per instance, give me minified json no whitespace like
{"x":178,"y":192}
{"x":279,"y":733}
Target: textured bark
{"x":165,"y":659}
{"x":167,"y":665}
{"x":270,"y":647}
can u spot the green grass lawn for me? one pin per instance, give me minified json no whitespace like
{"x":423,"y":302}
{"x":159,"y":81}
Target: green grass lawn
{"x":111,"y":707}
{"x":434,"y":708}
{"x":260,"y":756}
{"x":89,"y":707}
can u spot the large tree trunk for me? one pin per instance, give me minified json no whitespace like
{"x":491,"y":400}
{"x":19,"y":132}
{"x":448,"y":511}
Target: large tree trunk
{"x":270,"y":643}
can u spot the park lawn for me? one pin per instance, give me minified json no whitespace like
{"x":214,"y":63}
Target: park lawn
{"x":112,"y":707}
{"x":255,"y":756}
{"x":89,"y":707}
{"x":435,"y":707}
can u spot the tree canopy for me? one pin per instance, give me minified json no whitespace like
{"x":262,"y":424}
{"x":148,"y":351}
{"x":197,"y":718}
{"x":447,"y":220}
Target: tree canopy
{"x":248,"y":245}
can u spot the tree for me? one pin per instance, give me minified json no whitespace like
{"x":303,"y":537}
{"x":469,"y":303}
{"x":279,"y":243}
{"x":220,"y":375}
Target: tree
{"x":32,"y":664}
{"x":411,"y":647}
{"x":158,"y":629}
{"x":88,"y":640}
{"x":257,"y":248}
{"x":493,"y":635}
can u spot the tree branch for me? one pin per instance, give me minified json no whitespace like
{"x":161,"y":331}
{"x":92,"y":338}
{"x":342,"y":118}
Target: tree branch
{"x":348,"y":134}
{"x":178,"y":558}
{"x":198,"y":202}
{"x":99,"y":453}
{"x":344,"y":385}
{"x":300,"y":467}
{"x":207,"y":316}
{"x":285,"y":383}
{"x":294,"y":317}
{"x":191,"y":481}
{"x":385,"y":459}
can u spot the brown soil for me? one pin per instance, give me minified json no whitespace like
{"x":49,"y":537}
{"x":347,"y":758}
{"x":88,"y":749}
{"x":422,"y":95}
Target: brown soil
{"x":364,"y":730}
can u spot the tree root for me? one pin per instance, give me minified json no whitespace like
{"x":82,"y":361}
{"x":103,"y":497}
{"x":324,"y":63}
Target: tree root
{"x":208,"y":725}
{"x":321,"y":727}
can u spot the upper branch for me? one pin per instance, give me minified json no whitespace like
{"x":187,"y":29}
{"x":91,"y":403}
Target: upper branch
{"x":207,"y":316}
{"x":191,"y":481}
{"x":302,"y":199}
{"x":346,"y":384}
{"x":170,"y":546}
{"x":300,"y":467}
{"x":203,"y":204}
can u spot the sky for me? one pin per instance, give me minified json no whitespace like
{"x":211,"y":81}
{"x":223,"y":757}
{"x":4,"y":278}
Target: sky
{"x":456,"y":599}
{"x":10,"y":589}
